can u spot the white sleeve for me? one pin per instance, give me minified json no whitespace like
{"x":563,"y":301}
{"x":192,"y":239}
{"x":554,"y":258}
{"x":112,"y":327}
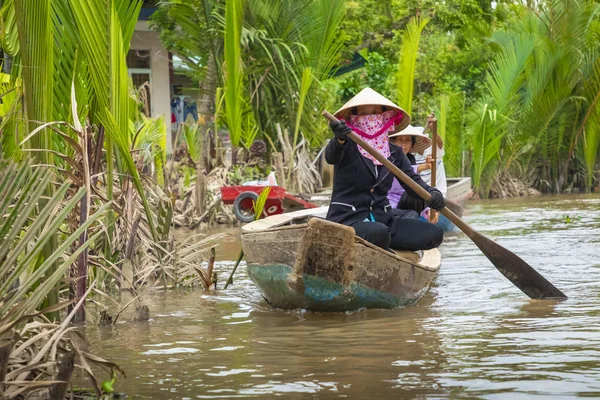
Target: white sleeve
{"x":440,"y":152}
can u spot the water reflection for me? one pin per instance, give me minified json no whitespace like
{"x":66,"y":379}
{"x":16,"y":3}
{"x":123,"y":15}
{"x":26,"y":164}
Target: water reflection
{"x":474,"y":335}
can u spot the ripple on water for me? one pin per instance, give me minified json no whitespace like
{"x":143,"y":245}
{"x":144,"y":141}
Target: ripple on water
{"x":474,"y":335}
{"x":172,"y":350}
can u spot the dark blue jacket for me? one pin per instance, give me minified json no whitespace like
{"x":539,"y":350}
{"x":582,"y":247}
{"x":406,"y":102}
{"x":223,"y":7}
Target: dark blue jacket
{"x":360,"y":187}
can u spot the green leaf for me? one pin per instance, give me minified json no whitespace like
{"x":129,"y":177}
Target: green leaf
{"x":234,"y":89}
{"x":407,"y":60}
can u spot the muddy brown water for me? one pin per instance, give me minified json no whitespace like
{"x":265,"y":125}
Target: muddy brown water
{"x":473,"y":335}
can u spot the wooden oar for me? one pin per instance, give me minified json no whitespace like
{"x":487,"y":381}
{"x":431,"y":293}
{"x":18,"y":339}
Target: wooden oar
{"x":434,"y":133}
{"x":521,"y":274}
{"x":452,"y":205}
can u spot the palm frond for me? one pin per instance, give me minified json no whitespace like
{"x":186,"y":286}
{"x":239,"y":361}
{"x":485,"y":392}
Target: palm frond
{"x":318,"y":30}
{"x":24,"y":241}
{"x":591,"y":122}
{"x":12,"y":123}
{"x":36,"y":49}
{"x":9,"y":37}
{"x":192,"y":135}
{"x":451,"y":117}
{"x":407,"y":59}
{"x":65,"y":49}
{"x":234,"y":89}
{"x":307,"y":80}
{"x":190,"y":30}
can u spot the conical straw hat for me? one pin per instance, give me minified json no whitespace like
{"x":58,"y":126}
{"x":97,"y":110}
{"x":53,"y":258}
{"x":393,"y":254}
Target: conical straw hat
{"x":422,"y":141}
{"x":369,"y":97}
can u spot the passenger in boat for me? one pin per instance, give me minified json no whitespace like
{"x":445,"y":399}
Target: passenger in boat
{"x":440,"y":171}
{"x":361,"y":183}
{"x":412,"y":140}
{"x":440,"y":179}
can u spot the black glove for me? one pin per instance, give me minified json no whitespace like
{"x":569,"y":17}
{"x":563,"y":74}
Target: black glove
{"x":340,"y":130}
{"x":436,"y":201}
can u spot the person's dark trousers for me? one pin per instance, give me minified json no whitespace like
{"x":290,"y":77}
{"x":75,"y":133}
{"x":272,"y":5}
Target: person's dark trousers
{"x":416,"y":234}
{"x":374,"y":232}
{"x":411,"y":234}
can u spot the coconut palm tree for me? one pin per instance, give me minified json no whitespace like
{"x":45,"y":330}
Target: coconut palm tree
{"x":71,"y":67}
{"x":62,"y":53}
{"x":285,"y":50}
{"x":542,"y":91}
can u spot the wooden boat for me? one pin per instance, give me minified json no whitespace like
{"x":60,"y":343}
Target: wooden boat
{"x":459,"y":190}
{"x":300,"y":260}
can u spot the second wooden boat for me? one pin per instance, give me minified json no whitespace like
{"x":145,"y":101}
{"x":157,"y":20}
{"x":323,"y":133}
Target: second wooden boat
{"x":459,"y":191}
{"x":300,"y":260}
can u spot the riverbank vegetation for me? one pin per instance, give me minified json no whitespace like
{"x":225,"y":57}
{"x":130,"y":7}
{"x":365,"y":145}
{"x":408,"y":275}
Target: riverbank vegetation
{"x":86,"y":208}
{"x":514,"y":85}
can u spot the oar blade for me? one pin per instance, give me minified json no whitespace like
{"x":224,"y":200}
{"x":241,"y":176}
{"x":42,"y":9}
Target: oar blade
{"x":521,"y":274}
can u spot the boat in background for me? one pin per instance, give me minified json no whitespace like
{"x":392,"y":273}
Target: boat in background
{"x":299,"y":260}
{"x":459,"y":192}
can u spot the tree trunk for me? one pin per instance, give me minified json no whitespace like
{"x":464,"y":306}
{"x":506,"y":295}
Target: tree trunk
{"x":234,"y":151}
{"x":200,"y":190}
{"x":279,"y":173}
{"x":206,"y":111}
{"x":7,"y":341}
{"x":80,"y":272}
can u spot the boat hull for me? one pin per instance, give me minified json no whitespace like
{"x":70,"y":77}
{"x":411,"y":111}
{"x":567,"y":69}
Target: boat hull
{"x":323,"y":266}
{"x":319,"y":294}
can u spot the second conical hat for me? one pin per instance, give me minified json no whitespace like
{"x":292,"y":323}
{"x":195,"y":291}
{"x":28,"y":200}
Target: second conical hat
{"x":369,"y":97}
{"x":422,"y":141}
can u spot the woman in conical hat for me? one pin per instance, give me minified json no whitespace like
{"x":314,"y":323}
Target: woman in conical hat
{"x":361,"y":183}
{"x":411,"y":140}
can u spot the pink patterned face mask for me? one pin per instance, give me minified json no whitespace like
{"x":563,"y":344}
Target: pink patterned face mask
{"x":374,"y":130}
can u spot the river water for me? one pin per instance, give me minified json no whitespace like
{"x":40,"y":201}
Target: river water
{"x":473,"y":335}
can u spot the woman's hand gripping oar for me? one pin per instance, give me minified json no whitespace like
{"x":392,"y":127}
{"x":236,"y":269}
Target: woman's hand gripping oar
{"x":432,"y":123}
{"x":451,"y":204}
{"x":521,"y":274}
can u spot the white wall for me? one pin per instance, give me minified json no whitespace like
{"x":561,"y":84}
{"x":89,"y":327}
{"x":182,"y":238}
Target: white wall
{"x":160,"y":89}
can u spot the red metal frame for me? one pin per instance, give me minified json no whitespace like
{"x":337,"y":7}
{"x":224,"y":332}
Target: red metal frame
{"x":278,"y":201}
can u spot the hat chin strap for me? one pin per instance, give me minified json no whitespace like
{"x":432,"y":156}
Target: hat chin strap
{"x":393,"y":121}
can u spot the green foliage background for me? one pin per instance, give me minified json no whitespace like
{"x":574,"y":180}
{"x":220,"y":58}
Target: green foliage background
{"x":513,"y":83}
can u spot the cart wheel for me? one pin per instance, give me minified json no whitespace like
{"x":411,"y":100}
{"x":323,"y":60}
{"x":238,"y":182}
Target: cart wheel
{"x":243,"y":206}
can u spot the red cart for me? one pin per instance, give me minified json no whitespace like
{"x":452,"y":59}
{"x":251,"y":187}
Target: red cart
{"x":242,"y":198}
